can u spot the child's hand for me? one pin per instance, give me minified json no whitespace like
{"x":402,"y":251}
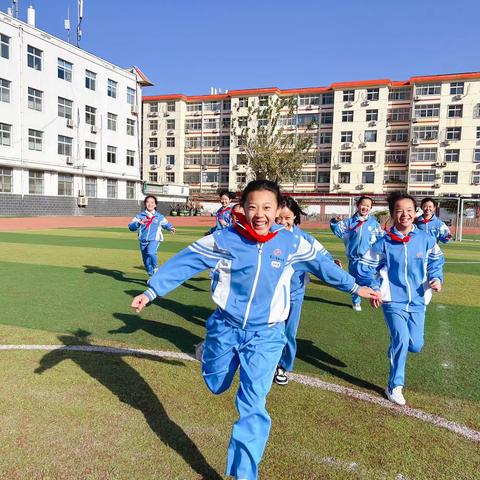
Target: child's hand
{"x":375,"y":303}
{"x":338,"y":262}
{"x":367,"y":292}
{"x":142,"y":222}
{"x":173,"y":229}
{"x":337,"y":218}
{"x":139,"y":302}
{"x":436,"y":285}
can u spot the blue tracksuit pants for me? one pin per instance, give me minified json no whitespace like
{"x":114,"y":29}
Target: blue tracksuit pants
{"x":149,"y":255}
{"x":256,"y":354}
{"x":406,"y":335}
{"x":352,"y":270}
{"x":290,"y":351}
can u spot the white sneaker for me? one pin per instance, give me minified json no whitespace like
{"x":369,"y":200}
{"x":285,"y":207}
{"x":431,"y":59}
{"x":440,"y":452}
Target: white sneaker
{"x":280,"y":377}
{"x":395,"y":395}
{"x":199,"y":351}
{"x":357,"y":307}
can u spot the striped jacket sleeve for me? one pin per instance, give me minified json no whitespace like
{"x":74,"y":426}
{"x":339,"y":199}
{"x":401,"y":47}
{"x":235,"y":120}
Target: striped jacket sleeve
{"x":339,"y":228}
{"x":313,"y":241}
{"x":165,"y":224}
{"x":435,"y":262}
{"x":444,"y":234}
{"x":200,"y":255}
{"x":369,"y":265}
{"x":134,"y":224}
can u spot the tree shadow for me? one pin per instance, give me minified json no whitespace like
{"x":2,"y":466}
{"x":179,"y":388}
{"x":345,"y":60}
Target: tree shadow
{"x":115,"y":274}
{"x":130,"y":387}
{"x":310,"y":353}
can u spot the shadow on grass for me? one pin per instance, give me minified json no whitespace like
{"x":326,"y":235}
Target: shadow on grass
{"x":115,"y":274}
{"x":130,"y":387}
{"x":310,"y":353}
{"x":329,"y":302}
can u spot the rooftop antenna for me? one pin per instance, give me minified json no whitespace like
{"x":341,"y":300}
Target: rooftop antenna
{"x":80,"y":17}
{"x":67,"y":25}
{"x":15,"y":8}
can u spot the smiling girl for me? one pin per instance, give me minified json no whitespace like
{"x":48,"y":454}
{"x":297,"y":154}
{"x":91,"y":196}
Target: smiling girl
{"x":430,"y":223}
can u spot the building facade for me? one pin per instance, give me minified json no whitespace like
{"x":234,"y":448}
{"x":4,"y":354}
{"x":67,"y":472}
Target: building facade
{"x":420,"y":135}
{"x":69,"y":127}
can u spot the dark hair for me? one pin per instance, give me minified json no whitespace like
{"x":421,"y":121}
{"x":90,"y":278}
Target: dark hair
{"x":429,"y":199}
{"x":230,"y":195}
{"x":292,"y":205}
{"x":150,"y":196}
{"x":258,"y":185}
{"x":394,"y":197}
{"x":364,"y":197}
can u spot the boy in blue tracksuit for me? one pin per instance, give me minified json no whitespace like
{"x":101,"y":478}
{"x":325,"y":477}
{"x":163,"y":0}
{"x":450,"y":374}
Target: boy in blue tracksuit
{"x":358,"y":234}
{"x":149,"y":225}
{"x":405,"y":265}
{"x":430,"y":223}
{"x":253,"y":267}
{"x":223,"y":217}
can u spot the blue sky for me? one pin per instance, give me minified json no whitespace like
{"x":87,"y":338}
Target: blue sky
{"x":187,"y":46}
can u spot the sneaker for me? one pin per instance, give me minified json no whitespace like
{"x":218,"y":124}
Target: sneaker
{"x":395,"y":395}
{"x":199,"y":351}
{"x":280,"y":377}
{"x":357,"y":307}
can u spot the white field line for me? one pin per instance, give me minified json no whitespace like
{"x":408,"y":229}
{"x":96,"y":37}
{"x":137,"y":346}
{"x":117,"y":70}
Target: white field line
{"x":436,"y":420}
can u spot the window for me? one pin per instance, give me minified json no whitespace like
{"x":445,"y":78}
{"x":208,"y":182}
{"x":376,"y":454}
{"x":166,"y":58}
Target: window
{"x":369,"y":157}
{"x":191,"y":177}
{"x":453,"y":133}
{"x":226,"y":123}
{"x":424,"y":155}
{"x":399,"y":94}
{"x":327,"y":98}
{"x":153,"y":159}
{"x":368,"y":177}
{"x":243,"y":102}
{"x":399,"y":114}
{"x":242,"y":121}
{"x":346,"y":136}
{"x":371,"y":115}
{"x":111,"y":155}
{"x":130,"y":158}
{"x":131,"y":127}
{"x":224,"y":177}
{"x":35,"y":98}
{"x":112,"y":186}
{"x":397,"y":136}
{"x":455,"y":111}
{"x":193,"y":124}
{"x":170,"y":159}
{"x":215,"y":141}
{"x":90,"y":80}
{"x":65,"y":108}
{"x":476,"y":155}
{"x":153,"y":124}
{"x":305,"y":100}
{"x":452,"y":155}
{"x":65,"y":185}
{"x":284,"y":121}
{"x":35,"y":140}
{"x":112,"y":88}
{"x":130,"y":95}
{"x":227,"y":104}
{"x":307,"y":177}
{"x":422,"y":176}
{"x":457,"y":88}
{"x":427,"y":110}
{"x":4,"y":90}
{"x":478,"y":133}
{"x":171,"y":106}
{"x":90,"y":150}
{"x":193,"y":159}
{"x":90,"y":115}
{"x":170,"y":141}
{"x":34,"y":58}
{"x":130,"y":190}
{"x":194,"y":107}
{"x":425,"y":133}
{"x":153,"y":177}
{"x":170,"y":124}
{"x":90,"y":187}
{"x":35,"y":182}
{"x":323,"y":177}
{"x":5,"y":179}
{"x":212,"y":106}
{"x":153,"y":108}
{"x":225,"y":141}
{"x":345,"y":157}
{"x":344,"y":177}
{"x":112,"y":122}
{"x":263,"y":101}
{"x":372,"y":94}
{"x":394,"y":176}
{"x":5,"y":134}
{"x":396,"y":156}
{"x":347,"y":116}
{"x":450,"y":177}
{"x":325,"y":138}
{"x":241,"y":178}
{"x":324,"y":157}
{"x":349,"y":95}
{"x":170,"y":177}
{"x":65,"y":70}
{"x":193,"y":142}
{"x":4,"y":46}
{"x":428,"y":89}
{"x":65,"y":145}
{"x":370,"y":136}
{"x":326,"y":118}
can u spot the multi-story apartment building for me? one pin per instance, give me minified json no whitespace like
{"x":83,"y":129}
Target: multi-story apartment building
{"x":370,"y":136}
{"x":69,"y":127}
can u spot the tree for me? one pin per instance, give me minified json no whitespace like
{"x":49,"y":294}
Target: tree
{"x":272,"y":150}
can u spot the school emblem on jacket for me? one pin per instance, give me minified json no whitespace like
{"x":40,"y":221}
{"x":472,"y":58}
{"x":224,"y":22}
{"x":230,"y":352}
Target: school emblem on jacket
{"x":277,"y":252}
{"x":275,"y":264}
{"x":419,"y":254}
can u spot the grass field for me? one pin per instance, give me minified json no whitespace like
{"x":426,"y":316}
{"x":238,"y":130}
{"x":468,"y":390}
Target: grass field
{"x":76,"y":415}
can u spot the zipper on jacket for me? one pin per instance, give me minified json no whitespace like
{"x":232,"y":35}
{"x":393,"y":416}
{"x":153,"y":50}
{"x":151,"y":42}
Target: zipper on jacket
{"x":406,"y":277}
{"x":255,"y":281}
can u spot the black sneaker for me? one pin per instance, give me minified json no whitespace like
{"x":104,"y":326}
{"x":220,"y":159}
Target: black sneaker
{"x":280,"y":377}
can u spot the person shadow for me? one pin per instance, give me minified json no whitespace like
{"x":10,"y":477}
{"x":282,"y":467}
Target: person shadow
{"x":131,"y":388}
{"x":308,"y":352}
{"x":329,"y":302}
{"x":115,"y":274}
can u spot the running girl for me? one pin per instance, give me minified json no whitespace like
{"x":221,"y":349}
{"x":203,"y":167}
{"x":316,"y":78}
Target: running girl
{"x":223,"y":217}
{"x":430,"y":223}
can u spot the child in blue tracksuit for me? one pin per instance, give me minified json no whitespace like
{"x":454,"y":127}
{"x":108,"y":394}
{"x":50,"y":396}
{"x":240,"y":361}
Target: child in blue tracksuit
{"x":149,"y":225}
{"x":406,"y":265}
{"x":358,"y":234}
{"x":253,"y":267}
{"x":430,"y":223}
{"x":223,"y":217}
{"x":290,"y":217}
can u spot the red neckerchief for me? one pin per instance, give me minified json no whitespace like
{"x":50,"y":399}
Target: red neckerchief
{"x":426,"y":220}
{"x":223,"y":210}
{"x":245,"y":230}
{"x":358,"y":225}
{"x":396,"y":238}
{"x":149,"y":221}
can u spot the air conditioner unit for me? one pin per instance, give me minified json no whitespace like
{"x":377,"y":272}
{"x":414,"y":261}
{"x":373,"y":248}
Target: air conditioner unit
{"x":168,"y":167}
{"x":69,"y":160}
{"x":416,"y":98}
{"x":372,"y":123}
{"x":436,"y":185}
{"x":475,"y":182}
{"x":153,"y":167}
{"x":134,"y":110}
{"x":362,"y":145}
{"x":166,"y":114}
{"x":187,"y":130}
{"x":214,"y":131}
{"x":216,"y":149}
{"x":365,"y":103}
{"x":204,"y":167}
{"x":291,"y":127}
{"x":217,"y":112}
{"x":82,"y":201}
{"x":153,"y":132}
{"x":360,"y":187}
{"x":438,"y":176}
{"x":415,"y":141}
{"x":197,"y":113}
{"x":170,"y":132}
{"x":456,"y":98}
{"x":93,"y":129}
{"x":187,"y":165}
{"x":214,"y":185}
{"x":69,"y":123}
{"x":348,"y":104}
{"x":309,"y":107}
{"x":414,"y":119}
{"x":446,"y":142}
{"x":152,"y":149}
{"x":152,"y":114}
{"x":347,"y":145}
{"x":370,"y":167}
{"x":336,"y":186}
{"x":235,"y":167}
{"x":336,"y":166}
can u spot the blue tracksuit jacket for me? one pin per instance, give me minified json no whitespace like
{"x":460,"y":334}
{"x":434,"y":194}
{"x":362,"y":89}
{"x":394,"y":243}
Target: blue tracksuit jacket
{"x":225,"y":214}
{"x":153,"y":231}
{"x":434,"y":227}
